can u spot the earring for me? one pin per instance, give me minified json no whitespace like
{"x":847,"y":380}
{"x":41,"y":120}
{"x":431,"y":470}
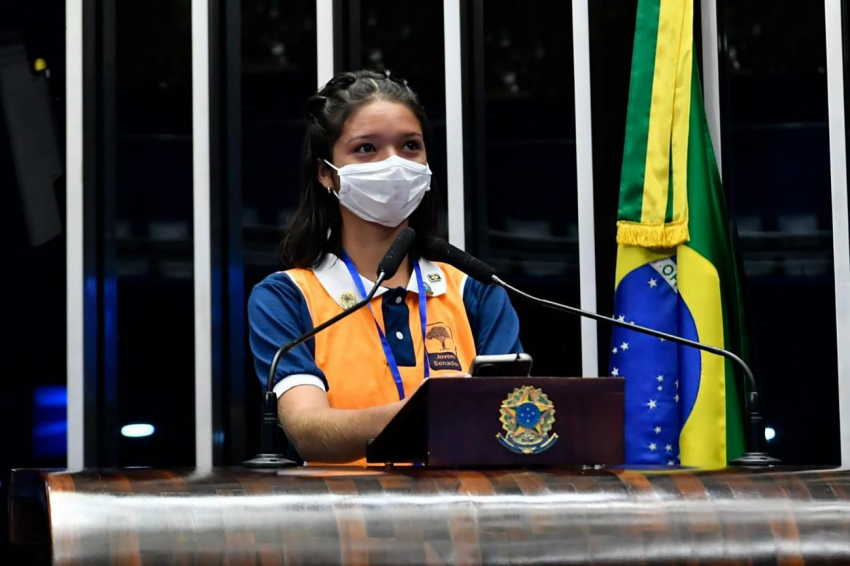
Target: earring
{"x":329,"y":189}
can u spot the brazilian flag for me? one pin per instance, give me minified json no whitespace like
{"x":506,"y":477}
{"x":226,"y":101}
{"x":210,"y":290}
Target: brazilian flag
{"x":676,"y":269}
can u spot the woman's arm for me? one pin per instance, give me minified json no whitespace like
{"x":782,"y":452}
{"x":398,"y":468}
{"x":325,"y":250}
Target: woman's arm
{"x":494,"y":321}
{"x":323,"y":434}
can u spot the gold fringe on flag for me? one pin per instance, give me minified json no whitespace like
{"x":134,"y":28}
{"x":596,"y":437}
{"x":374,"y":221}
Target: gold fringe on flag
{"x":657,"y":236}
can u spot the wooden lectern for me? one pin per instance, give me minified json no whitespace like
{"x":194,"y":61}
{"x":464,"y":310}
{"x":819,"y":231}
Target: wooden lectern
{"x":506,"y":422}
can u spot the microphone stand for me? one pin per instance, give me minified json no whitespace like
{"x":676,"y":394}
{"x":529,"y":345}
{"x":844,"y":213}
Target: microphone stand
{"x":268,"y":457}
{"x":755,"y":454}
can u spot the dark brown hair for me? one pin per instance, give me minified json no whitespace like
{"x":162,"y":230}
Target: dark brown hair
{"x":315,"y":228}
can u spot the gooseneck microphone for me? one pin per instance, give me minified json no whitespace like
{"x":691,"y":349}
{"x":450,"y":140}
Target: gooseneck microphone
{"x":268,"y":457}
{"x":755,"y":455}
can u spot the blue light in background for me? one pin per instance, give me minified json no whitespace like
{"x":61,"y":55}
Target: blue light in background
{"x":137,"y":430}
{"x":50,"y":421}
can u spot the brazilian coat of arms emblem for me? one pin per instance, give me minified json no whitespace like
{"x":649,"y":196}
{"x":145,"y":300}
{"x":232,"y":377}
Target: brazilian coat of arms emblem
{"x":527,"y":416}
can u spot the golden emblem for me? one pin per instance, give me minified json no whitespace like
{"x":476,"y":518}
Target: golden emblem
{"x":348,"y":300}
{"x":527,"y":416}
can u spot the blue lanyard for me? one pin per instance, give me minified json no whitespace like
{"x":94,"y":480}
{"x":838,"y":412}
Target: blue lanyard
{"x":423,"y":319}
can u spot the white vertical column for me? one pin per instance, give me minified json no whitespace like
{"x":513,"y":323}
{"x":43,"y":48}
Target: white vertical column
{"x":584,"y":172}
{"x":201,"y":233}
{"x":840,"y":237}
{"x":711,"y":73}
{"x":324,"y":41}
{"x":74,"y":250}
{"x":454,"y":122}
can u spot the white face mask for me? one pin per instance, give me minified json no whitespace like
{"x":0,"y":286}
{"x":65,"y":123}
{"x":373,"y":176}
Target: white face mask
{"x":385,"y":192}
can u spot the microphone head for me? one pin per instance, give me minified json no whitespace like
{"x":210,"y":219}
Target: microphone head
{"x":440,"y":250}
{"x":397,"y":252}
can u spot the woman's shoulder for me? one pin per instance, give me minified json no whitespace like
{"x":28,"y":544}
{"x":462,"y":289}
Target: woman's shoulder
{"x":280,"y":284}
{"x":443,"y":270}
{"x":455,"y":279}
{"x":475,"y":294}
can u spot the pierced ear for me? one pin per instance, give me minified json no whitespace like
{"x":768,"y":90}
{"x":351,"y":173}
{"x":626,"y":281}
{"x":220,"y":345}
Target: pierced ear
{"x":324,"y":175}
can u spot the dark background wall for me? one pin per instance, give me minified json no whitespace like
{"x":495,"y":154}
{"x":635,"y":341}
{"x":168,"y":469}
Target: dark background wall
{"x":32,"y":286}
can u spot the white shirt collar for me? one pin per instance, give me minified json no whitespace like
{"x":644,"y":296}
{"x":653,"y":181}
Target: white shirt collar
{"x":336,"y":280}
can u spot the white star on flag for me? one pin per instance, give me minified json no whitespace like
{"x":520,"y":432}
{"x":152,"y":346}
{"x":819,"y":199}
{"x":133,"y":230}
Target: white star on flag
{"x":658,"y":430}
{"x":676,"y":383}
{"x":652,"y":404}
{"x":615,"y":372}
{"x":622,"y":318}
{"x":660,"y":378}
{"x":676,"y":398}
{"x":653,"y":283}
{"x":669,"y":448}
{"x":624,"y":346}
{"x":653,"y":446}
{"x":670,"y":463}
{"x":660,"y":388}
{"x":614,"y":350}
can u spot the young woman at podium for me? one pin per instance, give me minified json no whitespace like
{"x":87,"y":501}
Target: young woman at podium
{"x":366,"y":178}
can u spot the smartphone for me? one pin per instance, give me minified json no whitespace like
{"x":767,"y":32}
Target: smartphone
{"x":501,"y":365}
